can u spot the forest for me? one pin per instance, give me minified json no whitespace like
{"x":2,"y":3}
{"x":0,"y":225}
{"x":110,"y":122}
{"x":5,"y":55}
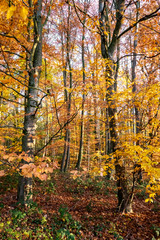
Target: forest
{"x":80,"y":119}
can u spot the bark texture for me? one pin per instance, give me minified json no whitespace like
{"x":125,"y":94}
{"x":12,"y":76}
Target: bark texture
{"x":136,"y":120}
{"x":80,"y":154}
{"x":31,"y":101}
{"x":108,"y":48}
{"x":67,"y":95}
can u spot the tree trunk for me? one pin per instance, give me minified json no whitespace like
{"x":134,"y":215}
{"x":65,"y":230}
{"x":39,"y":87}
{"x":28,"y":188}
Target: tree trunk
{"x":46,"y":118}
{"x":136,"y":127}
{"x":108,"y":47}
{"x":82,"y":113}
{"x":67,"y":160}
{"x":65,"y":100}
{"x":88,"y":134}
{"x":78,"y":164}
{"x":66,"y":153}
{"x":68,"y":131}
{"x":34,"y":71}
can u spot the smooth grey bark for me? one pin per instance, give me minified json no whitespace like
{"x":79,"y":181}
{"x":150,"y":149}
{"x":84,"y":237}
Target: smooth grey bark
{"x":67,"y":97}
{"x":65,"y":100}
{"x":46,"y":105}
{"x":83,"y":98}
{"x":64,"y":63}
{"x":34,"y":71}
{"x":67,"y":159}
{"x":96,"y":123}
{"x":88,"y":135}
{"x":136,"y":120}
{"x":68,"y":131}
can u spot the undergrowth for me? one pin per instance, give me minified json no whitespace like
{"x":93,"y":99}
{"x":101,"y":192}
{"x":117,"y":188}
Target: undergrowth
{"x":90,"y":200}
{"x":31,"y":223}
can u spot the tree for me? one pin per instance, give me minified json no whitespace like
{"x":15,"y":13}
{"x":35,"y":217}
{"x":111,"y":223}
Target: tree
{"x":109,"y":40}
{"x":34,"y":71}
{"x":31,"y":49}
{"x":80,"y":154}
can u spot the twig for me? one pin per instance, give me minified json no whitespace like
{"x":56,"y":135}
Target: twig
{"x":146,"y":17}
{"x":38,"y":105}
{"x":60,"y":129}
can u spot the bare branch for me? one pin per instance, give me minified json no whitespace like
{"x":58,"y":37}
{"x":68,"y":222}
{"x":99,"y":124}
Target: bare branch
{"x":59,"y":130}
{"x":12,"y":89}
{"x":11,"y":127}
{"x":9,"y":100}
{"x":146,"y":17}
{"x":56,"y":111}
{"x":84,"y":12}
{"x":12,"y":53}
{"x":38,"y":105}
{"x":48,"y":14}
{"x":13,"y":37}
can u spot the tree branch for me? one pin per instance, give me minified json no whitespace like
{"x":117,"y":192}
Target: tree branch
{"x":13,"y":37}
{"x":59,"y":130}
{"x":12,"y":89}
{"x":11,"y":127}
{"x":9,"y":100}
{"x":151,"y":15}
{"x":38,"y":105}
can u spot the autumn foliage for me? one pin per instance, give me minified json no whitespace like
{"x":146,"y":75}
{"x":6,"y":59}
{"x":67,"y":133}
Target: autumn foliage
{"x":79,"y":92}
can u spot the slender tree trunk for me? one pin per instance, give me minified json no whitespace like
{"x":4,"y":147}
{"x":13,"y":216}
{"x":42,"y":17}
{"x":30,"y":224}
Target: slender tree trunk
{"x":78,"y":164}
{"x":96,"y":117}
{"x":66,"y":153}
{"x":67,"y":160}
{"x":136,"y":126}
{"x":82,"y":113}
{"x":65,"y":100}
{"x":88,"y":136}
{"x":34,"y":71}
{"x":46,"y":105}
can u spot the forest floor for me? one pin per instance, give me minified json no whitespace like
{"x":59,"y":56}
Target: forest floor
{"x":67,"y":208}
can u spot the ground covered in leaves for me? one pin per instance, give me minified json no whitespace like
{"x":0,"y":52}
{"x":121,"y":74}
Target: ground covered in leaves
{"x":81,"y":208}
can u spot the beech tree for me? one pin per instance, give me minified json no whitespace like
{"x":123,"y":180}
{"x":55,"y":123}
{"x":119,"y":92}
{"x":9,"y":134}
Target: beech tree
{"x":31,"y":51}
{"x":80,"y":153}
{"x":34,"y":62}
{"x":109,"y":39}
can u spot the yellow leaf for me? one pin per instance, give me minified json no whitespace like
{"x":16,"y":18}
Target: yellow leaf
{"x":1,"y":225}
{"x":10,"y":11}
{"x":152,"y":195}
{"x":148,"y":200}
{"x":24,"y":13}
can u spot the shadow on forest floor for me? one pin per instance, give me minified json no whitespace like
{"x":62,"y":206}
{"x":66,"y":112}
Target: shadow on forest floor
{"x":66,"y":208}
